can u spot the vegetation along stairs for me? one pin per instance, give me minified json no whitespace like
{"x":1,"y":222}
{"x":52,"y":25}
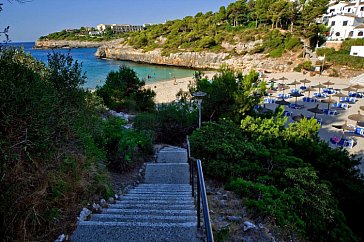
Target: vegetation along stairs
{"x":160,"y":209}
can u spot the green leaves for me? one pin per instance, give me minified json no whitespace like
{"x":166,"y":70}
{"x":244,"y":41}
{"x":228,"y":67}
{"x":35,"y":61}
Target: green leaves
{"x":123,"y":91}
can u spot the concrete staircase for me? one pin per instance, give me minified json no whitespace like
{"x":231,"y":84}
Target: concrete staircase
{"x":160,"y":209}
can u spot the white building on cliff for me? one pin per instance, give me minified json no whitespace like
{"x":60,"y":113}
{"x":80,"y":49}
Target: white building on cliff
{"x":346,"y":20}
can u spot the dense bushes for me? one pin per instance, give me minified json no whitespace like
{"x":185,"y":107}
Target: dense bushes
{"x":285,"y":173}
{"x":50,"y":156}
{"x":125,"y":146}
{"x":170,"y":123}
{"x":229,"y":94}
{"x":276,"y":43}
{"x":124,"y":91}
{"x":343,"y":57}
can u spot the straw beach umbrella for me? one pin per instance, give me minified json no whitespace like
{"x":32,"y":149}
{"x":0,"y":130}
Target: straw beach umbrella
{"x":328,"y":101}
{"x":349,"y":89}
{"x":282,"y":102}
{"x":283,"y":78}
{"x":357,"y":117}
{"x":319,"y":86}
{"x":357,"y":86}
{"x":294,"y":83}
{"x":344,"y":126}
{"x":270,"y":91}
{"x":296,"y":95}
{"x":310,"y":89}
{"x":304,"y":81}
{"x":316,"y":110}
{"x":328,"y":83}
{"x":271,"y":82}
{"x":339,"y":95}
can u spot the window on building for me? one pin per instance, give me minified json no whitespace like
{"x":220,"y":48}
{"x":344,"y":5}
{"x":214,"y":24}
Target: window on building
{"x":360,"y":33}
{"x":351,"y":33}
{"x":361,"y":8}
{"x":345,"y":23}
{"x":332,"y":23}
{"x":355,"y":53}
{"x":337,"y":34}
{"x":349,"y":10}
{"x":332,"y":10}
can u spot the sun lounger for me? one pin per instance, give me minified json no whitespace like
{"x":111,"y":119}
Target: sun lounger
{"x":295,"y":90}
{"x":287,"y":113}
{"x":329,"y":91}
{"x":330,"y":112}
{"x":283,"y":96}
{"x":359,"y":131}
{"x":340,"y":105}
{"x":320,"y":95}
{"x":309,"y":100}
{"x":303,"y":88}
{"x":349,"y":143}
{"x":268,"y":100}
{"x":356,"y":94}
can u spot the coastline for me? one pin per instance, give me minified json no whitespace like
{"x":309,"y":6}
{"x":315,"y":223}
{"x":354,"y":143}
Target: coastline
{"x":166,"y":90}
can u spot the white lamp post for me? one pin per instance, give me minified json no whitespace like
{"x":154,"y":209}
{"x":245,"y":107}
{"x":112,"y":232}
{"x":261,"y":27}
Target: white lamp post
{"x":199,"y":95}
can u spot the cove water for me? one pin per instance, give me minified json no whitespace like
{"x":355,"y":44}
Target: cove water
{"x":97,"y":69}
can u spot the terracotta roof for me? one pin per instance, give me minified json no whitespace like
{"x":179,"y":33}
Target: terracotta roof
{"x":359,"y":26}
{"x":351,"y":15}
{"x":350,"y":4}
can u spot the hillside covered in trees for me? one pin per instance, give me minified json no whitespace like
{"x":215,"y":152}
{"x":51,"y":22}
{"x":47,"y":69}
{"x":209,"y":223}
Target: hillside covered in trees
{"x":241,"y":21}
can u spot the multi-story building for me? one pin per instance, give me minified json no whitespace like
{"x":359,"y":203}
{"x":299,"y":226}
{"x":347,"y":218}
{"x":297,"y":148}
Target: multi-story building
{"x":345,"y":20}
{"x":119,"y":28}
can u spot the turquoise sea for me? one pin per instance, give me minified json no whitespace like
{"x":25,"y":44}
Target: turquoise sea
{"x":97,"y":69}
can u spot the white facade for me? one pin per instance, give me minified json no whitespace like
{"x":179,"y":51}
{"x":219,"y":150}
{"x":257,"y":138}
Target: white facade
{"x":345,"y":26}
{"x":102,"y":27}
{"x":335,"y":9}
{"x":357,"y":51}
{"x":355,"y":7}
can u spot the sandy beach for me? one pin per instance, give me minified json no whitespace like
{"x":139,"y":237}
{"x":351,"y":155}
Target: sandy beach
{"x":166,"y":92}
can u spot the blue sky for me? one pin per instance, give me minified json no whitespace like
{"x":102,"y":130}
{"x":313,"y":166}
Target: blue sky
{"x":40,"y":17}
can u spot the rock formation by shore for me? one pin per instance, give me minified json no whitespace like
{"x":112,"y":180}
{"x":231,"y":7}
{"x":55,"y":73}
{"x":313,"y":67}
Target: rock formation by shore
{"x":201,"y":60}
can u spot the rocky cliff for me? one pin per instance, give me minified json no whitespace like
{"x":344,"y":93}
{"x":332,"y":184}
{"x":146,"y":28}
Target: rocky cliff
{"x":53,"y":44}
{"x":206,"y":60}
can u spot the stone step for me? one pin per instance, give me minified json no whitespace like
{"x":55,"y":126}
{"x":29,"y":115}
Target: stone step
{"x":135,"y":232}
{"x":167,"y":173}
{"x":153,"y":206}
{"x":160,"y":212}
{"x":153,"y":202}
{"x":172,"y":155}
{"x":154,"y":189}
{"x":137,"y":197}
{"x":160,"y":193}
{"x":165,"y":185}
{"x":143,"y":218}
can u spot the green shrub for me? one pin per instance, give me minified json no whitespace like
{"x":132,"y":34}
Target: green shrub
{"x":285,"y":173}
{"x":170,"y":123}
{"x":276,"y":52}
{"x":50,"y":156}
{"x":124,"y":91}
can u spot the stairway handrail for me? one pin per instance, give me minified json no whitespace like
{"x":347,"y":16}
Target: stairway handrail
{"x":201,"y":193}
